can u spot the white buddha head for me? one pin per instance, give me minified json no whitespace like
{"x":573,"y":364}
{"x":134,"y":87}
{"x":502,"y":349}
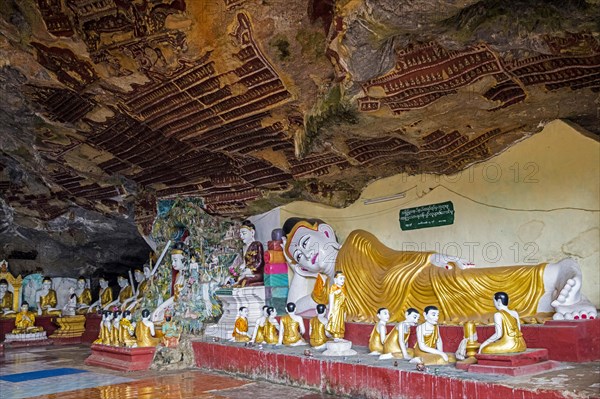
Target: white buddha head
{"x":80,"y":283}
{"x":46,"y":284}
{"x":411,"y":316}
{"x":3,"y":287}
{"x":432,"y":314}
{"x":103,"y":283}
{"x":340,"y":279}
{"x":383,"y":314}
{"x":247,"y":232}
{"x":122,"y":281}
{"x":138,"y":275}
{"x":147,"y":272}
{"x":311,"y":246}
{"x":177,"y":259}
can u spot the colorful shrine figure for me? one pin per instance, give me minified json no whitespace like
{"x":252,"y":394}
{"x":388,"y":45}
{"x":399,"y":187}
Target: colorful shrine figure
{"x":507,"y":337}
{"x":429,"y":348}
{"x":240,"y":329}
{"x":271,"y":328}
{"x":316,"y":329}
{"x":403,"y":279}
{"x":6,"y":301}
{"x":291,"y":327}
{"x":46,"y":299}
{"x":84,"y":296}
{"x":178,"y":264}
{"x":379,"y":333}
{"x":71,"y":306}
{"x":145,"y":334}
{"x":171,"y":332}
{"x":336,"y":319}
{"x":25,"y":321}
{"x":105,"y":296}
{"x":115,"y":329}
{"x":102,"y":333}
{"x":127,"y":331}
{"x":396,"y":343}
{"x":258,"y":335}
{"x":254,"y":262}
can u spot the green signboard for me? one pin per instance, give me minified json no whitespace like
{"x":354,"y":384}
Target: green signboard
{"x":427,"y":216}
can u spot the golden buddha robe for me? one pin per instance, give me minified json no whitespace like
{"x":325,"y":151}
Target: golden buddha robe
{"x":114,"y":335}
{"x":270,"y":333}
{"x":143,"y":335}
{"x":7,"y":303}
{"x":84,"y":299}
{"x":391,"y":345}
{"x":106,"y":333}
{"x":241,"y":324}
{"x":336,"y":322}
{"x":125,"y":294}
{"x":317,"y":332}
{"x":49,"y":300}
{"x":106,"y":297}
{"x":512,"y":340}
{"x":375,"y":344}
{"x":24,"y":322}
{"x":142,"y":288}
{"x":101,"y":335}
{"x":126,"y":332}
{"x":291,"y":330}
{"x":260,"y":334}
{"x":320,"y":293}
{"x":431,"y":341}
{"x":398,"y":280}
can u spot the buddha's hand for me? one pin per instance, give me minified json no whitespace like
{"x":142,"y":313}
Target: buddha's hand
{"x":449,"y":261}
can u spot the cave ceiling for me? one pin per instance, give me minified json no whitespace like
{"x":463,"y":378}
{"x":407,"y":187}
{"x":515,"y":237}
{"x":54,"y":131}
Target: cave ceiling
{"x":109,"y":105}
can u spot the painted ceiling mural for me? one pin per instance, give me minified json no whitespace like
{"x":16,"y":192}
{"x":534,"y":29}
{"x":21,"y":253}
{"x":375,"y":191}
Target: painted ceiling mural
{"x":111,"y":105}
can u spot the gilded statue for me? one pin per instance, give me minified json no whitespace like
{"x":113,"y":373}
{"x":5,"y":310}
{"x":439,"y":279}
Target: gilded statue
{"x":507,"y":337}
{"x":6,"y":301}
{"x":105,"y":296}
{"x":84,"y":296}
{"x":291,"y":327}
{"x":25,"y":321}
{"x":379,"y":276}
{"x":258,"y":335}
{"x":254,"y":263}
{"x":271,"y":327}
{"x":316,"y":328}
{"x":145,"y":334}
{"x":46,"y":299}
{"x":429,"y":348}
{"x":379,"y":333}
{"x":127,"y":331}
{"x":336,"y":318}
{"x":396,"y":342}
{"x":240,"y":329}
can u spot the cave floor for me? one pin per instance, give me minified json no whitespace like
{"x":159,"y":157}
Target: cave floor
{"x":59,"y":372}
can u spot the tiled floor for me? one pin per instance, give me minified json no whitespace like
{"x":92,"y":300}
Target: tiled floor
{"x":99,"y":383}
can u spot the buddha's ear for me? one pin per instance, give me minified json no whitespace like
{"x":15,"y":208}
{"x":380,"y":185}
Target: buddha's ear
{"x":328,"y":231}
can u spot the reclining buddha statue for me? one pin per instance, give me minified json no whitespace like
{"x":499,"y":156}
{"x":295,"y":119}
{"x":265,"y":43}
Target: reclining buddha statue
{"x":380,"y":277}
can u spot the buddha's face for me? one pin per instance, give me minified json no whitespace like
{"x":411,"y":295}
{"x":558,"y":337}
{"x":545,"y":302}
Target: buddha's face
{"x":80,"y":284}
{"x":432,"y":316}
{"x":412,"y":318}
{"x":340,"y":279}
{"x":384,"y":315}
{"x":315,"y":251}
{"x":247,"y":235}
{"x":147,"y":272}
{"x":122,"y":281}
{"x":177,"y":261}
{"x":46,"y":284}
{"x":3,"y":289}
{"x":103,"y":283}
{"x":138,"y":275}
{"x":25,"y":308}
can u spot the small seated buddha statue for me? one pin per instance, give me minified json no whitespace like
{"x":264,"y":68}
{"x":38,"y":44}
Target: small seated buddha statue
{"x":429,"y":348}
{"x":46,"y":299}
{"x":240,"y":329}
{"x":379,"y":333}
{"x":507,"y":337}
{"x":127,"y":331}
{"x":396,"y":343}
{"x":25,"y":321}
{"x":271,"y":328}
{"x":258,"y":336}
{"x":316,"y":328}
{"x":84,"y":296}
{"x":291,"y":327}
{"x":71,"y":306}
{"x":145,"y":334}
{"x":6,"y":301}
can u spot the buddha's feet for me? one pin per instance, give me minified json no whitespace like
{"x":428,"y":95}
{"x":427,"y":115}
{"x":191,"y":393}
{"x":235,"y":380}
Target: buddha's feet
{"x":583,"y":309}
{"x":568,"y":301}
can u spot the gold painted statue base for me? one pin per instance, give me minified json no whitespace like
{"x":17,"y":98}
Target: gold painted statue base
{"x":69,"y":327}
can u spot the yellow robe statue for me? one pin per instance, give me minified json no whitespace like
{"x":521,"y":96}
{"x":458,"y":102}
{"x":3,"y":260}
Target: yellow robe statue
{"x":125,"y":333}
{"x":24,"y":323}
{"x":512,"y":340}
{"x":106,"y":297}
{"x":291,"y":332}
{"x":125,"y":294}
{"x":375,"y":344}
{"x":241,"y":324}
{"x":49,"y":300}
{"x":390,"y":345}
{"x":431,"y":341}
{"x":7,"y":303}
{"x":377,"y":277}
{"x":320,"y":292}
{"x":271,"y":335}
{"x":317,"y":332}
{"x":84,"y":299}
{"x":336,"y":322}
{"x":101,"y":335}
{"x":260,"y":334}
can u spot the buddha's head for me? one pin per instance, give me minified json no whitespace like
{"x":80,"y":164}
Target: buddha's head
{"x":103,"y":282}
{"x":412,"y":316}
{"x":122,"y":281}
{"x":310,"y":246}
{"x":24,"y":307}
{"x":46,"y":283}
{"x":3,"y":287}
{"x":271,"y":311}
{"x":383,"y":314}
{"x":80,"y":283}
{"x":247,"y":232}
{"x":138,"y":275}
{"x":432,"y":314}
{"x":177,"y":259}
{"x":339,"y":278}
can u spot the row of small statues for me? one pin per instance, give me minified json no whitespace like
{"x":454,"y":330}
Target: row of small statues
{"x":118,"y":329}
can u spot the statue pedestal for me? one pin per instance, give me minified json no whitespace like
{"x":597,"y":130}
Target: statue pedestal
{"x":70,"y":330}
{"x":27,"y":339}
{"x":6,"y":326}
{"x":121,"y":359}
{"x":531,"y":361}
{"x":92,"y":327}
{"x":339,"y":348}
{"x":232,"y":299}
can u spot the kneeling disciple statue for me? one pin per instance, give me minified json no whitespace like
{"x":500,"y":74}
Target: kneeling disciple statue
{"x":316,"y":329}
{"x":508,"y":337}
{"x":127,"y":331}
{"x":429,"y":348}
{"x":271,"y":328}
{"x":25,"y":320}
{"x":396,"y":343}
{"x":291,"y":327}
{"x":379,"y":333}
{"x":240,"y":329}
{"x":258,"y":336}
{"x":144,"y":331}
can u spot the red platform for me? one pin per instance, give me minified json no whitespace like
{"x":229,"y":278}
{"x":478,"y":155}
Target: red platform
{"x":347,"y":377}
{"x":121,"y":359}
{"x":567,"y":341}
{"x":92,"y":328}
{"x":531,"y":361}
